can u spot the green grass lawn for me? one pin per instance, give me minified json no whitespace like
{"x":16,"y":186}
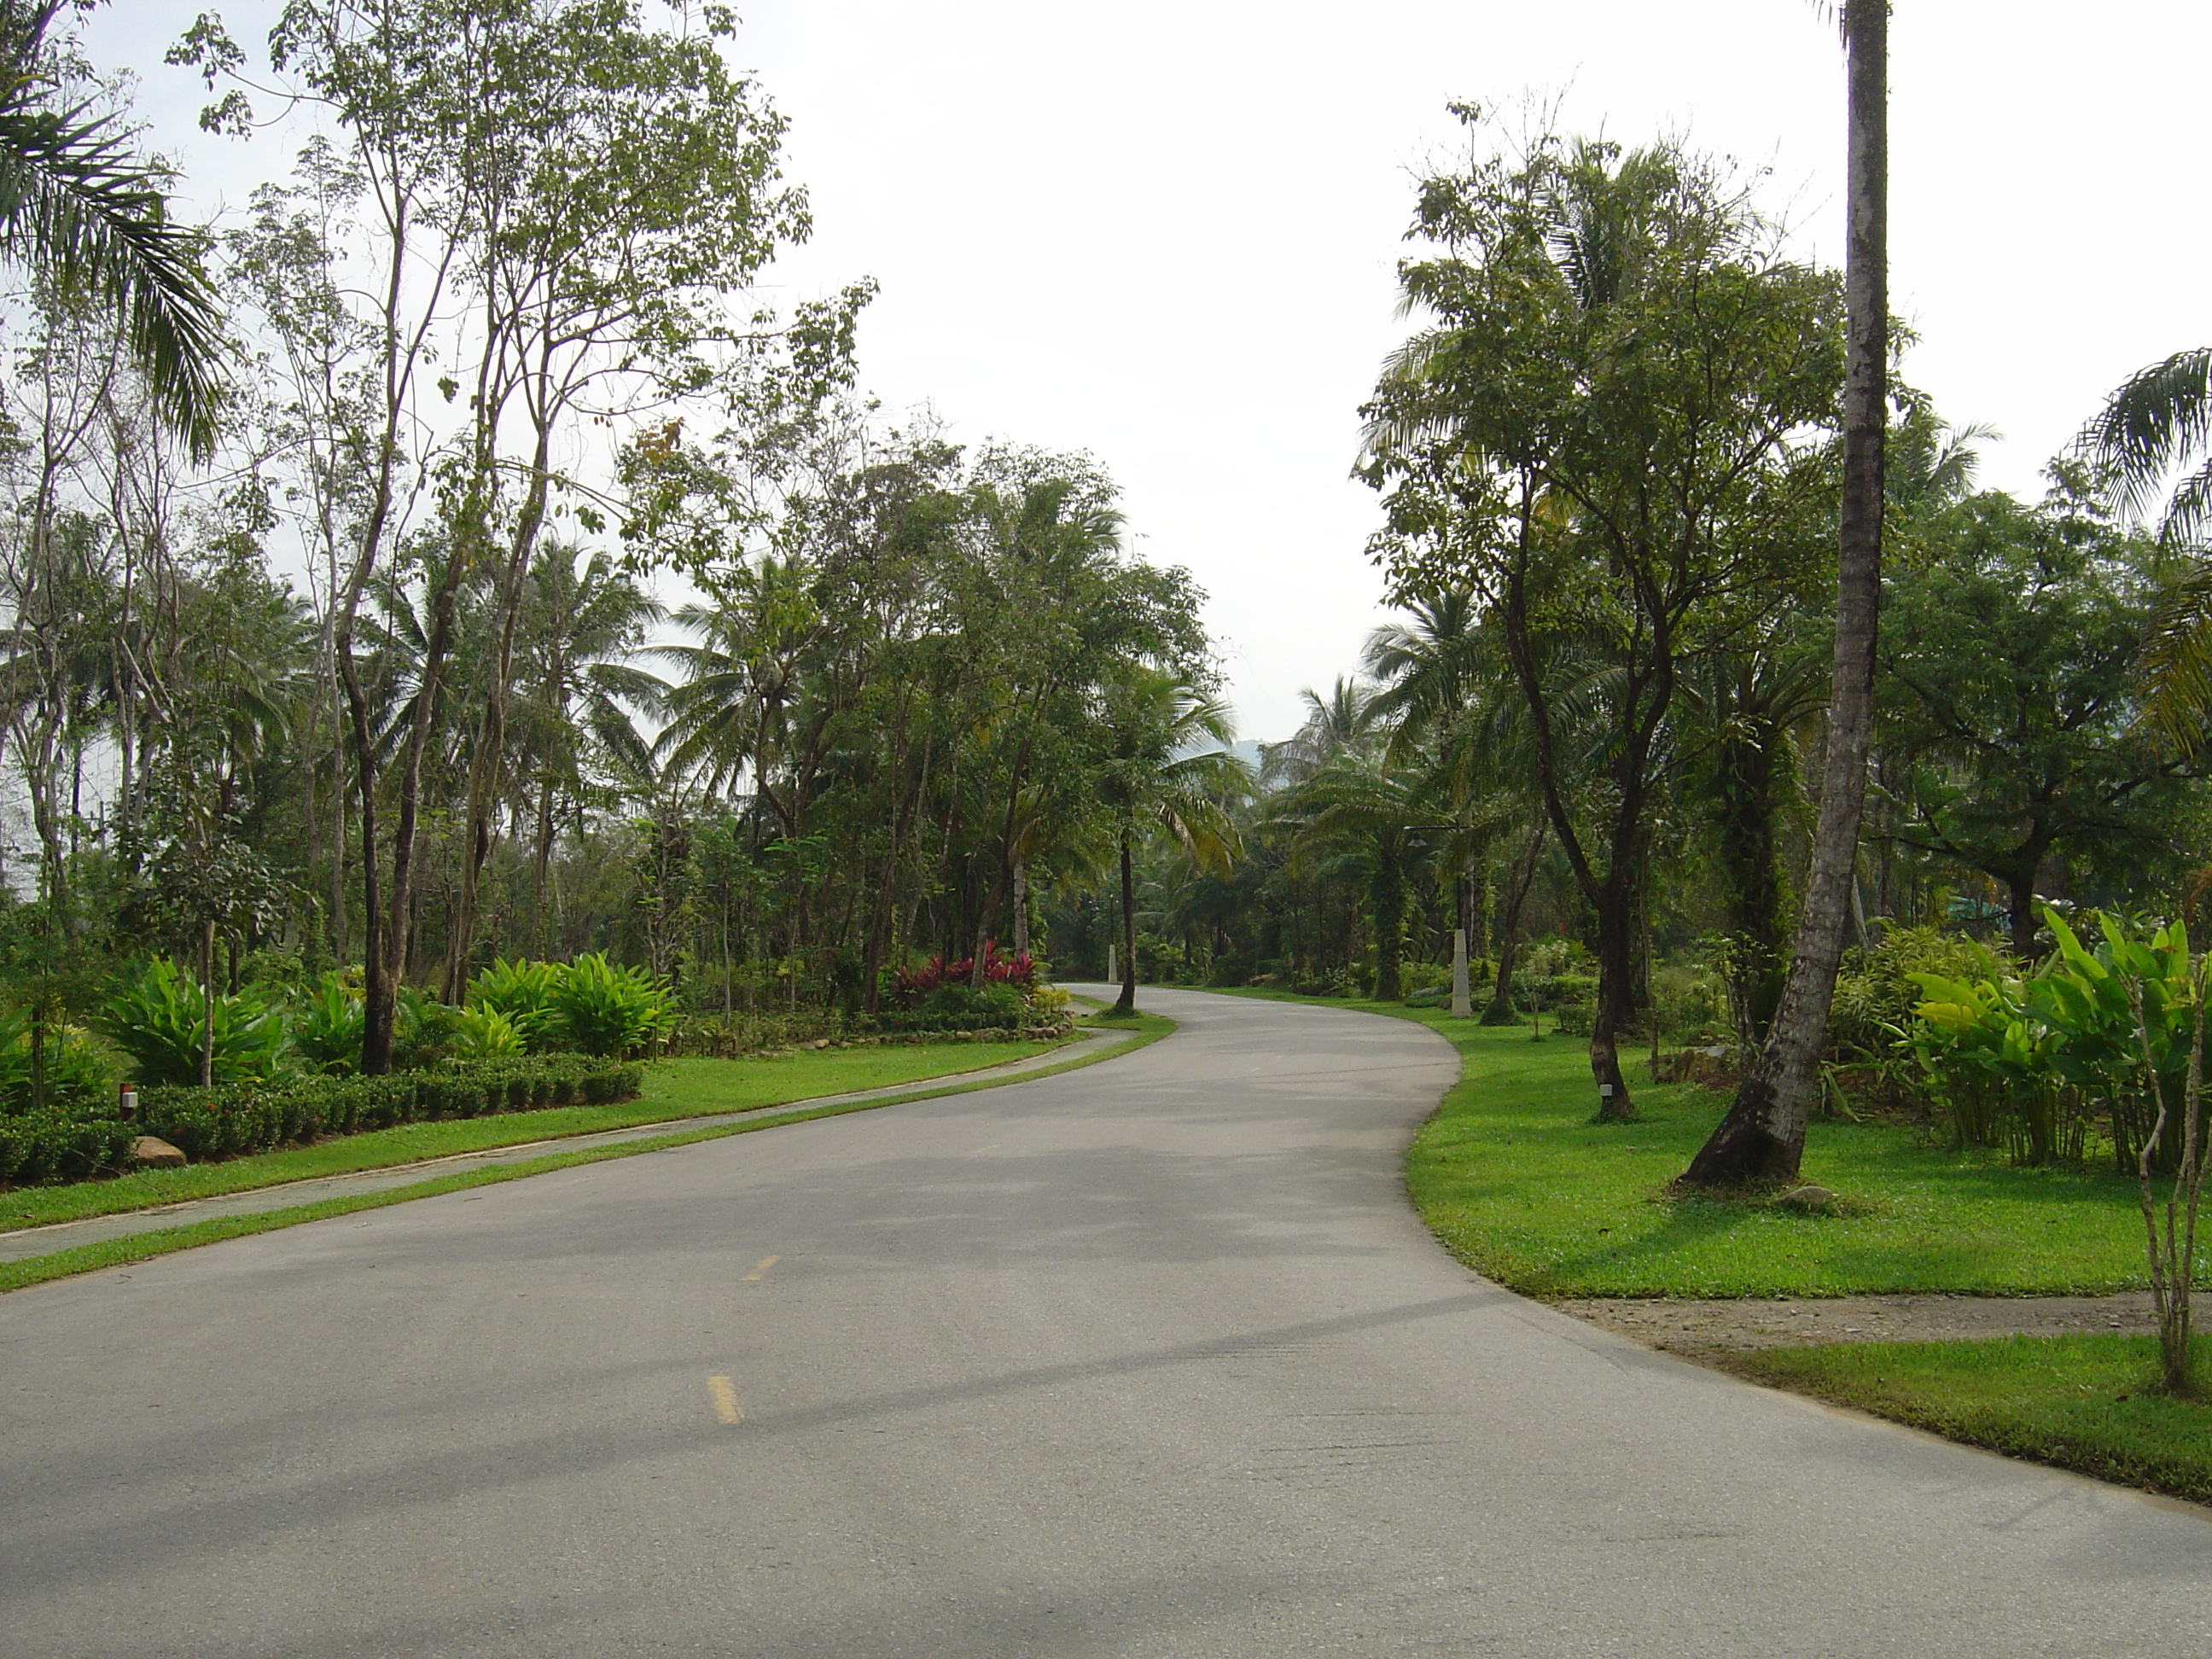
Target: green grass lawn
{"x":673,"y":1088}
{"x":2079,"y":1401}
{"x":1514,"y":1178}
{"x":1511,"y":1174}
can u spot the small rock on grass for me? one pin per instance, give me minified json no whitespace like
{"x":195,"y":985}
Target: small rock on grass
{"x":156,"y":1154}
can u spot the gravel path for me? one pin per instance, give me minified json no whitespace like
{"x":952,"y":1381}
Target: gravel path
{"x":1692,"y":1327}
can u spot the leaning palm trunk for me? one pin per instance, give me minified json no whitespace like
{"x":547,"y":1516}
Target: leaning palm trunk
{"x":1763,"y":1136}
{"x":2171,"y":1236}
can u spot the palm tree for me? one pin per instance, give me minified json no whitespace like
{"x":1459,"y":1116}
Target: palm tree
{"x":2159,"y":423}
{"x":1349,"y":717}
{"x":1763,"y":1135}
{"x":1164,"y":765}
{"x":1446,"y":678}
{"x":81,"y":211}
{"x":582,"y":622}
{"x":1372,"y":808}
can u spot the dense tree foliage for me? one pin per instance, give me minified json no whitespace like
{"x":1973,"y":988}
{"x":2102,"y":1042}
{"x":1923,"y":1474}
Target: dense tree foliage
{"x":546,"y":593}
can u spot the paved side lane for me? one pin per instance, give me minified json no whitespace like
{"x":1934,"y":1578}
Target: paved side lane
{"x":1148,"y":1358}
{"x":25,"y":1242}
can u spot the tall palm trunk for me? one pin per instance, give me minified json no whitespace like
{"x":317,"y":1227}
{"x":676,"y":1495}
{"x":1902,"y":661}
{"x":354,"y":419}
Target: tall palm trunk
{"x":1763,"y":1136}
{"x":1387,"y":896}
{"x":1127,"y":1002}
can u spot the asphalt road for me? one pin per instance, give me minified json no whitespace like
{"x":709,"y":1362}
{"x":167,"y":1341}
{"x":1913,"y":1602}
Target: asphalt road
{"x":1149,"y":1358}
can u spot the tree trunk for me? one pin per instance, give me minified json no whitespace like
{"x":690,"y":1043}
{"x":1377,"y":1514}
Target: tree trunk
{"x":1757,"y":899}
{"x":542,"y":863}
{"x":1518,"y":880}
{"x":1763,"y":1135}
{"x":1021,"y":907}
{"x":487,"y":763}
{"x":1127,"y":1002}
{"x":1617,"y":930}
{"x":1389,"y":896}
{"x":2021,"y":922}
{"x":207,"y":1005}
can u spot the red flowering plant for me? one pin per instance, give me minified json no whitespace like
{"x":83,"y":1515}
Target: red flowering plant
{"x":910,"y":985}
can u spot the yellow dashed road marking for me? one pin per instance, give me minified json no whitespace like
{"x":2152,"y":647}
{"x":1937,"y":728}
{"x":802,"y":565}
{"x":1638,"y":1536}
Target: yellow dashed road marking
{"x":761,"y":1271}
{"x":727,"y":1408}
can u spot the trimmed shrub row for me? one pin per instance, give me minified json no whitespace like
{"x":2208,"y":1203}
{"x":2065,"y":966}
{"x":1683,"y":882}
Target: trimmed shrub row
{"x":40,"y":1146}
{"x":253,"y":1117}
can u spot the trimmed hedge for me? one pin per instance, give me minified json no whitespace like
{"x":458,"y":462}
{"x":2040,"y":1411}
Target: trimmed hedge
{"x":228,"y":1122}
{"x":39,"y":1146}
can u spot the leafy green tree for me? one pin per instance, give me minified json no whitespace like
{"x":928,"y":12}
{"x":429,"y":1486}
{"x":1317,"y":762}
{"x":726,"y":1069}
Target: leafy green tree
{"x":1601,"y":431}
{"x":1739,"y":764}
{"x":2010,"y":738}
{"x":588,"y":189}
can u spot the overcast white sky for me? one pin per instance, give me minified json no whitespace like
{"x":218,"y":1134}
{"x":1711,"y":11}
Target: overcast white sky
{"x":1165,"y":232}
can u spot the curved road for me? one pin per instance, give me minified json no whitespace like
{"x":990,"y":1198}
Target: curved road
{"x":1150,"y":1359}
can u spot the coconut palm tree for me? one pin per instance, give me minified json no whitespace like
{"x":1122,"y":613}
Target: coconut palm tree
{"x":1763,"y":1135}
{"x":582,"y":623}
{"x":1164,"y":764}
{"x":1348,"y":717}
{"x":1376,"y":809}
{"x":83,"y":213}
{"x":2157,"y":425}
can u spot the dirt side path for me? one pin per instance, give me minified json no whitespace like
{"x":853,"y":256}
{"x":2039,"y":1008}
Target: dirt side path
{"x":1692,"y":1327}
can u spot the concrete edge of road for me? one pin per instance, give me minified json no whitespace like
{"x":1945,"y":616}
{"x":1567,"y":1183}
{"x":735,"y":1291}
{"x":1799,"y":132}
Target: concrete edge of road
{"x":157,"y":1240}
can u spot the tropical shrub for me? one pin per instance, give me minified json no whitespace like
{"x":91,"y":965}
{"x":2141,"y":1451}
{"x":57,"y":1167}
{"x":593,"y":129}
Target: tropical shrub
{"x":424,"y":1031}
{"x":327,"y":1023}
{"x":483,"y":1032}
{"x":159,"y":1019}
{"x":957,"y":1006}
{"x":228,"y":1122}
{"x":521,"y":991}
{"x":1424,"y":984}
{"x":1877,"y":992}
{"x":602,"y":1009}
{"x":78,"y":1075}
{"x":2028,"y":1060}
